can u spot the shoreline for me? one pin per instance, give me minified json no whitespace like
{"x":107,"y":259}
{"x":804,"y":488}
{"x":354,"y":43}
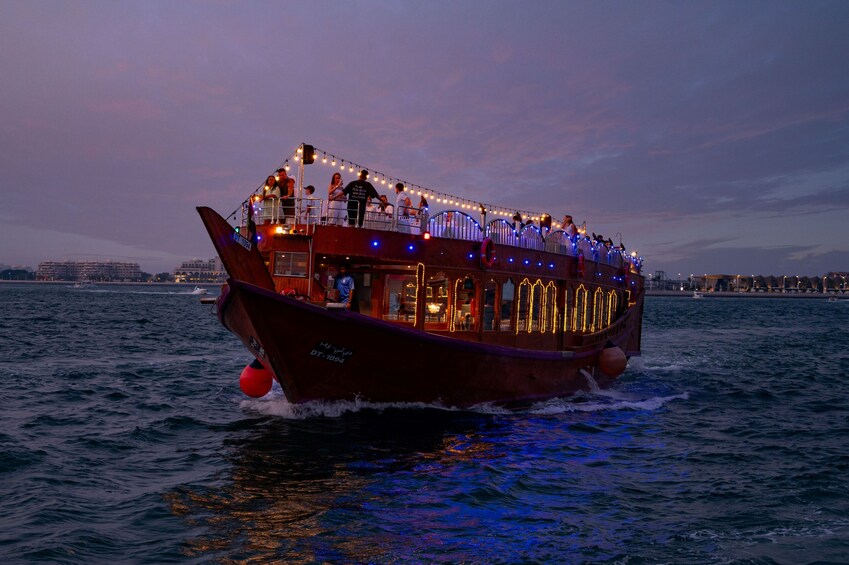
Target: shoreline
{"x":104,"y":283}
{"x":732,"y":294}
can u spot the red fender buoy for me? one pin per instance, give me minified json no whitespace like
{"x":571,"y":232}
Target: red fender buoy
{"x":612,"y":361}
{"x":255,"y":380}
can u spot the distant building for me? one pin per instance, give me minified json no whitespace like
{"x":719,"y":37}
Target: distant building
{"x":88,"y":270}
{"x":201,"y":271}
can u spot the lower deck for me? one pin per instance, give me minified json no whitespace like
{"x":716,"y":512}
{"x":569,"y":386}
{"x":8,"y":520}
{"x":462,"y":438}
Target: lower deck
{"x":528,"y":299}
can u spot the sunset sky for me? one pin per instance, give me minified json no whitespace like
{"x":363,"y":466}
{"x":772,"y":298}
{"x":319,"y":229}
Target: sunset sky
{"x":714,"y":136}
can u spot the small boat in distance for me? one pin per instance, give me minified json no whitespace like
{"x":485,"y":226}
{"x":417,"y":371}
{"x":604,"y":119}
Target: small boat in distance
{"x":84,"y":283}
{"x":199,"y":290}
{"x":698,"y":294}
{"x":461,"y":306}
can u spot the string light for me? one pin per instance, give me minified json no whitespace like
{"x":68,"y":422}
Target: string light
{"x":438,"y":197}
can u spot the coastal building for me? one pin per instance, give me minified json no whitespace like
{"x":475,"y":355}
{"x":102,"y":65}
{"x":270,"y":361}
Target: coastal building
{"x":201,"y":271}
{"x":110,"y":271}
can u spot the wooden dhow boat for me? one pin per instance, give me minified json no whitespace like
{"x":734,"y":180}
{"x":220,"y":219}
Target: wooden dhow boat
{"x":457,"y":306}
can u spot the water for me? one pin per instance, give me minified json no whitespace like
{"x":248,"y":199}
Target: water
{"x":125,"y":438}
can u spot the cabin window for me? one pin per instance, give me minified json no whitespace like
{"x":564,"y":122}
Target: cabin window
{"x":612,"y":306}
{"x":523,"y":306}
{"x":598,"y":310}
{"x":399,"y":297}
{"x":537,"y":312}
{"x":465,"y":308}
{"x":489,"y":321}
{"x":436,"y":306}
{"x":567,"y":325}
{"x":289,"y":264}
{"x":508,"y":291}
{"x":579,"y":312}
{"x":550,"y":308}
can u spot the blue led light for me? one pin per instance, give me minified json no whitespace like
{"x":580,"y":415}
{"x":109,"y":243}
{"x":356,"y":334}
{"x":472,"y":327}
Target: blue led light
{"x":471,"y":255}
{"x":551,"y":265}
{"x":527,"y":262}
{"x":411,"y":247}
{"x":375,"y":243}
{"x":510,"y":260}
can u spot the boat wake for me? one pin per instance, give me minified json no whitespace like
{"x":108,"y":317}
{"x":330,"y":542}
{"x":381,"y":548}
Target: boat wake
{"x":603,"y":401}
{"x":275,"y":404}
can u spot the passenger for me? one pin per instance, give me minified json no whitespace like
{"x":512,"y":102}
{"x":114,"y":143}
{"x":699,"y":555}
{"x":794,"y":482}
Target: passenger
{"x":358,"y":193}
{"x":287,"y":199}
{"x":385,"y":208}
{"x":384,"y":211}
{"x":518,"y":224}
{"x":308,"y":208}
{"x":568,"y":226}
{"x":270,"y":200}
{"x":401,"y":215}
{"x":336,"y":206}
{"x":545,"y":223}
{"x":448,"y":229}
{"x":271,"y":188}
{"x":423,"y":213}
{"x":400,"y":197}
{"x":344,"y":283}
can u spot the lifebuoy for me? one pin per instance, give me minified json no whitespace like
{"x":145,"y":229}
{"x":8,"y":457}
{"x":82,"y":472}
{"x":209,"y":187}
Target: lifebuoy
{"x":487,"y":255}
{"x":580,"y":264}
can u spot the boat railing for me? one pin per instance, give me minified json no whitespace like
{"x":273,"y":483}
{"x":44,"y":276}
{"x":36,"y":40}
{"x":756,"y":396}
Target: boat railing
{"x":501,"y":232}
{"x":560,"y":243}
{"x":376,"y":219}
{"x":453,"y":224}
{"x":530,"y":237}
{"x":408,"y":219}
{"x":450,"y":224}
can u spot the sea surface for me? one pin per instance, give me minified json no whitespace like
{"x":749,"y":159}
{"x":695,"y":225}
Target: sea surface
{"x":125,"y":439}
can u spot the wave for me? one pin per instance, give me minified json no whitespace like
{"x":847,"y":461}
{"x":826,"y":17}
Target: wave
{"x":275,"y":404}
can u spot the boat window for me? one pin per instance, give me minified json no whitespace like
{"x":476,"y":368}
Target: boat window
{"x":465,"y":308}
{"x":610,"y":311}
{"x":289,"y":264}
{"x":489,"y":320}
{"x":399,"y":297}
{"x":549,"y":307}
{"x":508,"y":291}
{"x":579,"y":312}
{"x":523,"y":307}
{"x":537,"y":322}
{"x":567,"y":312}
{"x":436,"y":306}
{"x":598,"y":310}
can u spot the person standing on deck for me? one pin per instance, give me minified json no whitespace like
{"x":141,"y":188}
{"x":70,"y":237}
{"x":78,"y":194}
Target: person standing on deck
{"x":568,"y":226}
{"x":400,"y":209}
{"x":358,"y":193}
{"x":336,"y":201}
{"x":344,"y":283}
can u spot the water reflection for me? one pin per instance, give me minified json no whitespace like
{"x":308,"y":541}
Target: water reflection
{"x":308,"y":490}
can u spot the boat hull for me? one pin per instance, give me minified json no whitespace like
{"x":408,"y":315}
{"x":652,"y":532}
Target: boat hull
{"x":317,"y":353}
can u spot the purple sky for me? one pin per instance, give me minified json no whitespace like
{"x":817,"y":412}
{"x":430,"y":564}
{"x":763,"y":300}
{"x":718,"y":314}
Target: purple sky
{"x":714,"y":136}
